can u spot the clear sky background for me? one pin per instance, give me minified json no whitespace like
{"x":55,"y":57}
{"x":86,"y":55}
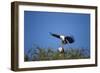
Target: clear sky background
{"x":37,"y":26}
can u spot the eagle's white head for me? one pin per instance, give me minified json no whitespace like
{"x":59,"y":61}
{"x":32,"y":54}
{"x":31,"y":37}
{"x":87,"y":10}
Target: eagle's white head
{"x":60,"y":49}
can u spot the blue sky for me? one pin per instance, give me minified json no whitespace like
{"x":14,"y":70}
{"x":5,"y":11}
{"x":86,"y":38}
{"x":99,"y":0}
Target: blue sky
{"x":37,"y":26}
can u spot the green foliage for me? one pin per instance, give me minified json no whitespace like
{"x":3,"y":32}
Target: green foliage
{"x":40,"y":54}
{"x":26,"y":58}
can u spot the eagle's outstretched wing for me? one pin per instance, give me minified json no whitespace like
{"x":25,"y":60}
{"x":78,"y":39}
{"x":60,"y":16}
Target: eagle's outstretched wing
{"x":55,"y":35}
{"x":69,"y":39}
{"x":64,"y":39}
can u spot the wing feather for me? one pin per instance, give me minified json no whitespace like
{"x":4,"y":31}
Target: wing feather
{"x":55,"y":35}
{"x":70,"y":39}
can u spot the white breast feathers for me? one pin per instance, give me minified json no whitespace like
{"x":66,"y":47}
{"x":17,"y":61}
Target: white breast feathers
{"x":62,"y":37}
